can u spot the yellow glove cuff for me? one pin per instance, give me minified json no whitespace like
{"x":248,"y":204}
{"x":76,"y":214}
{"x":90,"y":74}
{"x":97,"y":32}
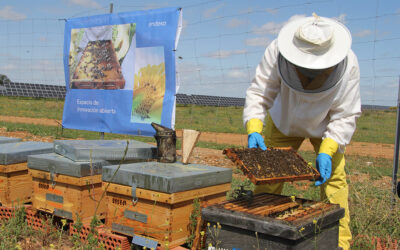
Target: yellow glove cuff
{"x":328,"y":146}
{"x":254,"y":125}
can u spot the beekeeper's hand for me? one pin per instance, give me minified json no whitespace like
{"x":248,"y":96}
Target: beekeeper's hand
{"x":324,"y":166}
{"x":324,"y":160}
{"x":254,"y":128}
{"x":255,"y":140}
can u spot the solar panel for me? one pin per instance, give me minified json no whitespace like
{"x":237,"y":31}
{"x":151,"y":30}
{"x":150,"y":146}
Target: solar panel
{"x":58,"y":92}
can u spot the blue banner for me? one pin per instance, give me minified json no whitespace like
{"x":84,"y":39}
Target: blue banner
{"x":120,"y":71}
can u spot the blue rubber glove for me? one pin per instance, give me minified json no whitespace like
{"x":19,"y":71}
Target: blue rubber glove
{"x":255,"y":140}
{"x":324,"y":166}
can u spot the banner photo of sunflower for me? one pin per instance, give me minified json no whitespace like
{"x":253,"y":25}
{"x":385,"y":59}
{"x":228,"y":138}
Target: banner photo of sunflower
{"x":149,"y":86}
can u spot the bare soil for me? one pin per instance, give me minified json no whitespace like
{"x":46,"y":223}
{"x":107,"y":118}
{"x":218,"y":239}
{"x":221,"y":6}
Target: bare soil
{"x":384,"y":183}
{"x":28,"y":120}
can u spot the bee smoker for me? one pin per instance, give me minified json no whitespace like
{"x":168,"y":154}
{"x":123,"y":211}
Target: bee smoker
{"x":166,"y":143}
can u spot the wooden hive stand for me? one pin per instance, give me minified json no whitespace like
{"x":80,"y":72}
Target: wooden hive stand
{"x":159,"y":218}
{"x":67,"y":196}
{"x":15,"y":184}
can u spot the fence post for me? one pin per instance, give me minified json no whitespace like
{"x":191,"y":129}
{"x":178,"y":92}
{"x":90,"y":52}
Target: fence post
{"x":111,"y":11}
{"x":396,"y":151}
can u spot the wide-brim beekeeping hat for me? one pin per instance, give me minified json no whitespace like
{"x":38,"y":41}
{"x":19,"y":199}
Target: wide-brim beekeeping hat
{"x":314,"y":42}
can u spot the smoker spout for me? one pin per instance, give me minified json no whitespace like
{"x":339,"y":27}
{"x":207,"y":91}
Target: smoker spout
{"x":160,"y":129}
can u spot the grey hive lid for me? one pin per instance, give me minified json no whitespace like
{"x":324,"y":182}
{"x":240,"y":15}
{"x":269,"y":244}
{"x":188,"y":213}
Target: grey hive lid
{"x":167,"y":177}
{"x":84,"y":150}
{"x":11,"y":153}
{"x":4,"y":139}
{"x":58,"y":164}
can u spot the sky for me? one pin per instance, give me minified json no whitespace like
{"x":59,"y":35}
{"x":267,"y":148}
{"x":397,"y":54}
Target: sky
{"x":222,"y":41}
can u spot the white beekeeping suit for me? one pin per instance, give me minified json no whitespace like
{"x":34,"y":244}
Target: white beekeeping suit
{"x":308,"y":81}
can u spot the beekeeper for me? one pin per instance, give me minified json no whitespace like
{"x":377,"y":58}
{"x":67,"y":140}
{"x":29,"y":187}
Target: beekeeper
{"x":307,"y":86}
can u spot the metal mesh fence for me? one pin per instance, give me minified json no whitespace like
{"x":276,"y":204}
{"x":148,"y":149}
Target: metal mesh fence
{"x":221,"y":43}
{"x":220,"y":46}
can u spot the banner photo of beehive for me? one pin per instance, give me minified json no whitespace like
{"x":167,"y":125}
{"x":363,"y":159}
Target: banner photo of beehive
{"x":120,"y":71}
{"x":97,"y":54}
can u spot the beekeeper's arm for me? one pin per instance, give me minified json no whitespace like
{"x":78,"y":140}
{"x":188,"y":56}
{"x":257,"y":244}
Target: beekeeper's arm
{"x":260,"y":96}
{"x":343,"y":115}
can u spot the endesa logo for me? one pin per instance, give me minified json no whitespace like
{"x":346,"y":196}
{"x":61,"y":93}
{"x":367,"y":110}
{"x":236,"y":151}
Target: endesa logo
{"x":157,"y":23}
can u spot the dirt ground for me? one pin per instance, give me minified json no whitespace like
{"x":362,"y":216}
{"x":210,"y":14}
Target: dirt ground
{"x":355,"y":148}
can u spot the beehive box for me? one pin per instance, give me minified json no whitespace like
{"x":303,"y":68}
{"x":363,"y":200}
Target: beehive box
{"x":86,"y":150}
{"x":155,"y":200}
{"x":17,"y":152}
{"x":66,"y":188}
{"x":15,"y":180}
{"x":280,"y":222}
{"x":4,"y":139}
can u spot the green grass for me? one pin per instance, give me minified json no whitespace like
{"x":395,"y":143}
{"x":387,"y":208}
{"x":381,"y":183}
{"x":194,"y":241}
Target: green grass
{"x":31,"y":107}
{"x":211,"y":119}
{"x":376,"y":168}
{"x":15,"y":233}
{"x":376,"y":126}
{"x":14,"y":230}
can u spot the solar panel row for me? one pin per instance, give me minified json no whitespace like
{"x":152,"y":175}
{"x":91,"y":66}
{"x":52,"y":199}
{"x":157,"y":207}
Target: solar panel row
{"x":32,"y":90}
{"x":206,"y":100}
{"x":58,"y":92}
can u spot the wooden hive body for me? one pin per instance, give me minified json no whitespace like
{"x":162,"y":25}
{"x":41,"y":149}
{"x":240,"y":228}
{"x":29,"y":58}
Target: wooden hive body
{"x":15,"y":180}
{"x":15,"y":184}
{"x":163,"y":217}
{"x":156,"y":200}
{"x":67,"y":188}
{"x":67,"y":196}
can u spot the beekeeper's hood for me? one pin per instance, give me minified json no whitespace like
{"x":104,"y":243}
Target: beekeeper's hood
{"x":311,"y":45}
